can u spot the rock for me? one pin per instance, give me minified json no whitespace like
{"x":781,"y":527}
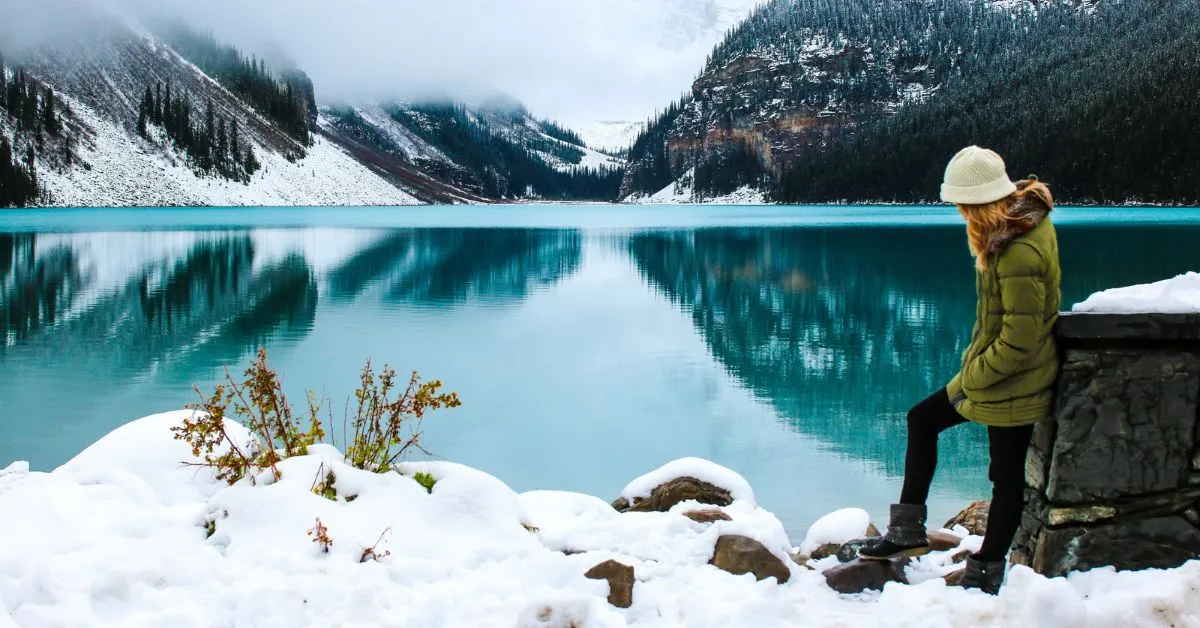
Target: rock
{"x":953,"y":578}
{"x":973,"y":518}
{"x":859,"y":575}
{"x":825,"y":551}
{"x":740,"y":555}
{"x":941,"y":541}
{"x":707,"y":516}
{"x":1091,"y":514}
{"x":802,"y":560}
{"x":848,"y":551}
{"x":620,"y":581}
{"x":872,"y":531}
{"x":960,"y":556}
{"x":1153,"y":543}
{"x":666,"y":495}
{"x":1128,"y":428}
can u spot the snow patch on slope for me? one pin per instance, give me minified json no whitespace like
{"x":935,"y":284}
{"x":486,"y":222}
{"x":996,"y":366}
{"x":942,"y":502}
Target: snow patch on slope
{"x":610,"y":136}
{"x":682,"y":192}
{"x":125,"y":170}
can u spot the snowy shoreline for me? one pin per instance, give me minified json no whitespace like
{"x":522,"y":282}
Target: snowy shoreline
{"x":124,"y":534}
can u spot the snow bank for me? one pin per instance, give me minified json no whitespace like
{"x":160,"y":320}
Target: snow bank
{"x":1177,"y":295}
{"x":698,"y":468}
{"x":839,"y":527}
{"x":122,"y":535}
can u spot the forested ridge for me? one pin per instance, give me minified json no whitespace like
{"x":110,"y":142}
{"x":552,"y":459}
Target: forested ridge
{"x":31,"y":112}
{"x":864,"y":100}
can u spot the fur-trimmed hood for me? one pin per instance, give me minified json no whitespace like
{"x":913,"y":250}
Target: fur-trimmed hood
{"x":1031,"y":203}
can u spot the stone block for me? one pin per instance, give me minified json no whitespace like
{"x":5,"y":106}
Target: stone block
{"x":1160,"y":542}
{"x":1035,"y":470}
{"x":1086,"y":514}
{"x":1125,"y":426}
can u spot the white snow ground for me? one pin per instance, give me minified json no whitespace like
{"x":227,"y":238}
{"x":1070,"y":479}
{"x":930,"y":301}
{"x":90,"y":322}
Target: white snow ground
{"x":1178,"y":295}
{"x":117,"y":537}
{"x":127,"y":171}
{"x":682,"y":192}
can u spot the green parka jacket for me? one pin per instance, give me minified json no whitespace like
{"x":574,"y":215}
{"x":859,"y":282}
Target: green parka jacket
{"x":1009,"y":369}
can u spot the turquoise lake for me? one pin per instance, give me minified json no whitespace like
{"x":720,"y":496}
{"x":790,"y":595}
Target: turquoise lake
{"x":588,"y":343}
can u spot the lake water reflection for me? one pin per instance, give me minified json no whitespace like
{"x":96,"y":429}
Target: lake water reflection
{"x":583,"y":356}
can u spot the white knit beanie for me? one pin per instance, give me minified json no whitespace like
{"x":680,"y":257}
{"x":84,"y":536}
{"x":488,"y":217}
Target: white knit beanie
{"x":976,"y":176}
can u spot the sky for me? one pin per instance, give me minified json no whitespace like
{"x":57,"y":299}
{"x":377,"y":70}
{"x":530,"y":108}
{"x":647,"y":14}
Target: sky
{"x":576,"y":61}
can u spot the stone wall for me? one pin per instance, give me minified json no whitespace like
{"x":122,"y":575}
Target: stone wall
{"x":1114,"y":474}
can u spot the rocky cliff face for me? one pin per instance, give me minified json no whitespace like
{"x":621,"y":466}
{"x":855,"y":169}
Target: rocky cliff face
{"x":798,"y":74}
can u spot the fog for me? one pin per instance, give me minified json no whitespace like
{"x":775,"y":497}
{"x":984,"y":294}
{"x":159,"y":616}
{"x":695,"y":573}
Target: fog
{"x":577,"y":61}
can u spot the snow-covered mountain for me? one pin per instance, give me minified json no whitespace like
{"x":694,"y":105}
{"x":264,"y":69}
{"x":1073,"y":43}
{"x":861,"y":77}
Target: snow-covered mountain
{"x":497,"y":150}
{"x":168,"y":116}
{"x":608,"y":136}
{"x":100,"y":78}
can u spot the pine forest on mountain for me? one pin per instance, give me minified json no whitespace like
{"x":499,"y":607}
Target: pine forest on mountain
{"x":1098,"y":98}
{"x":211,"y":145}
{"x":32,"y":112}
{"x":288,"y":100}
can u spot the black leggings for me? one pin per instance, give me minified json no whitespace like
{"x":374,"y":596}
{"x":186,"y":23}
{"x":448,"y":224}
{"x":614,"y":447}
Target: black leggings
{"x":1007,"y":446}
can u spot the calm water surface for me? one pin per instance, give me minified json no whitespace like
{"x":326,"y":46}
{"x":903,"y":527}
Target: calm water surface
{"x":589,"y":344}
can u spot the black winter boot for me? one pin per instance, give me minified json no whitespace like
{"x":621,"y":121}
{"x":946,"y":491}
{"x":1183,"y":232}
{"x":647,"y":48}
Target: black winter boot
{"x":986,"y":576}
{"x":905,"y":535}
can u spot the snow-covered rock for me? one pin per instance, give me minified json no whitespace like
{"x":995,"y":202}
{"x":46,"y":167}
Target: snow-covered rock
{"x":1178,"y":295}
{"x":838,"y":527}
{"x":700,"y":469}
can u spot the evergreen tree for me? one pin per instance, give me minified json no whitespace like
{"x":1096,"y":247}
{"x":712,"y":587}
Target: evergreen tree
{"x":29,"y":100}
{"x":170,"y":122}
{"x":157,"y":104}
{"x":251,"y":163}
{"x":210,"y":136}
{"x":235,"y":148}
{"x":49,"y":116}
{"x":222,"y":143}
{"x":7,"y":193}
{"x":141,"y":121}
{"x":3,"y":87}
{"x":16,"y":91}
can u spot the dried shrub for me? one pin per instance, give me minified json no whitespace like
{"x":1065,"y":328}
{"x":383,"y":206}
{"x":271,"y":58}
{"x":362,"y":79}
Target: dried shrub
{"x":258,"y":403}
{"x":386,"y":424}
{"x":324,"y":484}
{"x":386,"y":428}
{"x":372,"y":553}
{"x":320,"y":535}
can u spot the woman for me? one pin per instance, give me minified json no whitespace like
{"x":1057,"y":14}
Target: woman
{"x":1008,"y":371}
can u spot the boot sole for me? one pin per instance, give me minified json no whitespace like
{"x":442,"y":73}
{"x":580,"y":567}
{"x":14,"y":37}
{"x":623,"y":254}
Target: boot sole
{"x":908,"y":553}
